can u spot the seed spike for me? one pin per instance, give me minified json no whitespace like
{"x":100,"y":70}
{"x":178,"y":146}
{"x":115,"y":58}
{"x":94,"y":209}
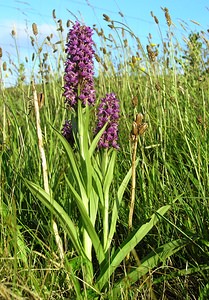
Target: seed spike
{"x":35,"y":29}
{"x":134,"y":129}
{"x":133,"y":59}
{"x":156,"y":20}
{"x":97,"y":57}
{"x":143,"y":128}
{"x":68,"y":23}
{"x":168,"y":17}
{"x":135,"y":101}
{"x":13,"y":32}
{"x":4,"y":66}
{"x":139,"y":119}
{"x":106,"y":18}
{"x":54,"y":14}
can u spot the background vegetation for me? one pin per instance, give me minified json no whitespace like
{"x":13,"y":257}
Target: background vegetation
{"x":169,"y":84}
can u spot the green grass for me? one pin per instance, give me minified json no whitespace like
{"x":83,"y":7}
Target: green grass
{"x":173,"y":165}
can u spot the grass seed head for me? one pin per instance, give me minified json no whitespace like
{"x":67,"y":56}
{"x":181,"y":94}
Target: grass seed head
{"x":165,"y":49}
{"x":134,"y":129}
{"x":157,"y":86}
{"x":54,"y":14}
{"x":1,"y":52}
{"x":156,"y":20}
{"x":13,"y":32}
{"x":133,"y":59}
{"x":4,"y":66}
{"x":151,"y":54}
{"x":104,"y":50}
{"x":35,"y":29}
{"x":111,"y":26}
{"x":135,"y":101}
{"x":154,"y":17}
{"x":97,"y":57}
{"x":105,"y":66}
{"x":60,"y":28}
{"x":143,"y":128}
{"x":40,"y":50}
{"x":40,"y":99}
{"x":125,"y":43}
{"x":32,"y":41}
{"x":168,"y":17}
{"x":68,"y":23}
{"x":106,"y":18}
{"x":139,"y":119}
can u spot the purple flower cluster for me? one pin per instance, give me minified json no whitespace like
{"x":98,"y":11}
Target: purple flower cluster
{"x":67,"y":132}
{"x":79,"y":83}
{"x":108,"y":112}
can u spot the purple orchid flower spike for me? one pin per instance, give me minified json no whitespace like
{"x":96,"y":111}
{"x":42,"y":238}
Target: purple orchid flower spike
{"x":79,"y":83}
{"x":108,"y":112}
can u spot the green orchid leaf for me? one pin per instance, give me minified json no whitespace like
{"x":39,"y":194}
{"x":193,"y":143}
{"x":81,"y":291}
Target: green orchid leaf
{"x":150,"y":262}
{"x":95,"y":141}
{"x":88,"y":225}
{"x":59,"y":213}
{"x":117,"y":204}
{"x":127,"y":246}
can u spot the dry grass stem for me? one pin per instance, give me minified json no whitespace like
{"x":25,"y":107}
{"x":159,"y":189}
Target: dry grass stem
{"x":44,"y":167}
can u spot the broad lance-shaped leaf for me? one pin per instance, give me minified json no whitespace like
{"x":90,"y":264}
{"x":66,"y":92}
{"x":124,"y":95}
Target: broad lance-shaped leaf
{"x":126,"y":247}
{"x":150,"y":262}
{"x":117,"y":204}
{"x":98,"y":187}
{"x":81,"y":197}
{"x":72,"y":161}
{"x":83,"y":152}
{"x":109,"y":172}
{"x":59,"y":213}
{"x":76,"y":170}
{"x":88,"y":225}
{"x":184,"y":272}
{"x":96,"y":139}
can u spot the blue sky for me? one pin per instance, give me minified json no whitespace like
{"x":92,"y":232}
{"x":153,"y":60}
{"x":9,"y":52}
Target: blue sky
{"x":21,"y":14}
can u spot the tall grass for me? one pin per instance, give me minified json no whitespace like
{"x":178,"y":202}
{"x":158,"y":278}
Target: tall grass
{"x":169,"y":85}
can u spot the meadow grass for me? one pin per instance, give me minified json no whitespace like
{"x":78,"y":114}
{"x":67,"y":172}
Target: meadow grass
{"x":169,"y":85}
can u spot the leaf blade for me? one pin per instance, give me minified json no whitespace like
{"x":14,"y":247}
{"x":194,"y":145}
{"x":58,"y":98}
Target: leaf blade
{"x":127,"y":246}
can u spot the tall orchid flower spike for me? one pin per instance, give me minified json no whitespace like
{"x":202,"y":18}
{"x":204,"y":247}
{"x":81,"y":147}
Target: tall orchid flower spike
{"x":79,"y":83}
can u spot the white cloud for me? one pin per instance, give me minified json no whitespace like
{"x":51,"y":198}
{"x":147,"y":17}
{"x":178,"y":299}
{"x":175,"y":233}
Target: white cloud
{"x":23,"y":31}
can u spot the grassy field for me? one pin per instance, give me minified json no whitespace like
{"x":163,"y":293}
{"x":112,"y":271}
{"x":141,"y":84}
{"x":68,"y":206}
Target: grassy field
{"x":54,"y":244}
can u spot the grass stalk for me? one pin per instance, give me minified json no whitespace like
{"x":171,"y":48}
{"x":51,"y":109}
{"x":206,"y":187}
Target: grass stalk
{"x":44,"y":169}
{"x":138,"y":128}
